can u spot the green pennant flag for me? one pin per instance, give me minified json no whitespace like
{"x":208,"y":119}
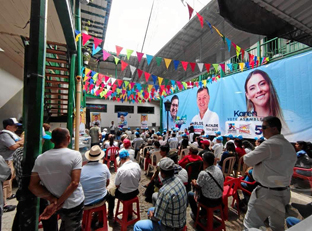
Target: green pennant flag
{"x":95,"y":77}
{"x":184,"y":85}
{"x":116,"y":60}
{"x":144,"y":86}
{"x":215,"y":65}
{"x":129,"y":52}
{"x":118,"y":90}
{"x":126,"y":83}
{"x":105,"y":91}
{"x":158,"y":60}
{"x":166,"y":82}
{"x":102,"y":94}
{"x":235,"y":66}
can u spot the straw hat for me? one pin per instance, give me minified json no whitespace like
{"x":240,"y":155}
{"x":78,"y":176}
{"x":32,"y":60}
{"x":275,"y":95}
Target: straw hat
{"x":95,"y":153}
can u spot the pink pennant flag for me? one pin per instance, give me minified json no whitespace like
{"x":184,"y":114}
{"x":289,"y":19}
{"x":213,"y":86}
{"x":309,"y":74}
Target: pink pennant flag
{"x":190,"y":10}
{"x":132,"y":85}
{"x":139,"y":55}
{"x":184,"y":65}
{"x":140,"y":72}
{"x":118,"y":50}
{"x":123,"y":65}
{"x":96,"y":42}
{"x":207,"y":65}
{"x":85,"y":38}
{"x":222,"y":65}
{"x":105,"y":55}
{"x":201,"y":20}
{"x":193,"y":65}
{"x":147,"y":75}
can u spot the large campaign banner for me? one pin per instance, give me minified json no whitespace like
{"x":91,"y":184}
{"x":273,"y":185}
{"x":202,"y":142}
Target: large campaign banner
{"x":237,"y":104}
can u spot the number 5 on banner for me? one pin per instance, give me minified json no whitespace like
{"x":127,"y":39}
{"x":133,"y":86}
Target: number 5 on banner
{"x":258,"y":129}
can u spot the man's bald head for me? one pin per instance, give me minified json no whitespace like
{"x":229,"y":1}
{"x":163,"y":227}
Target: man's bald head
{"x":60,"y":136}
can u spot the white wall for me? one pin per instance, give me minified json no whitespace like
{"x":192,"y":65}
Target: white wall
{"x":134,"y":119}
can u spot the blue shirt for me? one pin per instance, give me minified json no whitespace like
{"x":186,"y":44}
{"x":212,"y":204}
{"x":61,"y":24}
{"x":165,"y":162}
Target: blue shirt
{"x":94,"y":176}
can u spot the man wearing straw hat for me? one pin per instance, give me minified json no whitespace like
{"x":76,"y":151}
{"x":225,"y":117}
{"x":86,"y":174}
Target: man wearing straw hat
{"x":95,"y":179}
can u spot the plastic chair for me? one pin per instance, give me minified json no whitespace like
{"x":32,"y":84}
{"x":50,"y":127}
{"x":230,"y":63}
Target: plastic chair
{"x":113,"y":153}
{"x":127,"y":212}
{"x":308,"y":178}
{"x":155,"y":158}
{"x":193,"y":169}
{"x":229,"y":170}
{"x":230,"y":187}
{"x":87,"y":216}
{"x":247,"y":182}
{"x":210,"y":216}
{"x":183,"y":153}
{"x":242,"y":167}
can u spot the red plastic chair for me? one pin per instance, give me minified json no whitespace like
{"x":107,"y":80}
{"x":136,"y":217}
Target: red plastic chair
{"x":230,"y":187}
{"x":247,"y":182}
{"x":127,"y":211}
{"x":87,"y":216}
{"x":113,"y":153}
{"x":210,"y":217}
{"x":308,"y":178}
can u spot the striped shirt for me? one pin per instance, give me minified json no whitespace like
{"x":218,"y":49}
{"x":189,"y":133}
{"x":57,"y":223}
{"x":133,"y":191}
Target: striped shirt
{"x":171,"y":203}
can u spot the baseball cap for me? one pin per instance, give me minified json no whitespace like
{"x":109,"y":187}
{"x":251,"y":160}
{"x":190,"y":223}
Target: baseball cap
{"x":45,"y":136}
{"x":218,"y":133}
{"x":229,"y":136}
{"x":123,"y":154}
{"x":138,"y":129}
{"x":205,"y":142}
{"x":184,"y":135}
{"x":128,"y":128}
{"x":240,"y":137}
{"x":220,"y":138}
{"x":137,"y":133}
{"x":127,"y":143}
{"x":11,"y":121}
{"x":158,"y":133}
{"x":166,"y":164}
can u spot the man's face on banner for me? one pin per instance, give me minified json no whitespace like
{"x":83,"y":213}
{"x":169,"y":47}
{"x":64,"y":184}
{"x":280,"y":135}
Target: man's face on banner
{"x":203,"y":101}
{"x":174,"y":108}
{"x":122,"y":118}
{"x":96,"y":117}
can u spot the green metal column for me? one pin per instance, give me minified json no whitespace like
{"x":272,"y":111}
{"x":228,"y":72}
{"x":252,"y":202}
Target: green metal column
{"x":71,"y":97}
{"x":161,"y":102}
{"x":259,"y":51}
{"x":34,"y":87}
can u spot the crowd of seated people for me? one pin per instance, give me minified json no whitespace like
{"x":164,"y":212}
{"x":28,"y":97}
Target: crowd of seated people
{"x":167,"y":189}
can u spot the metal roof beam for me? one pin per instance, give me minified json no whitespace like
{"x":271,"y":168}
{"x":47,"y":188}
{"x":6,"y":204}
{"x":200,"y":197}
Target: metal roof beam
{"x":97,"y":6}
{"x":93,"y":14}
{"x":95,"y":22}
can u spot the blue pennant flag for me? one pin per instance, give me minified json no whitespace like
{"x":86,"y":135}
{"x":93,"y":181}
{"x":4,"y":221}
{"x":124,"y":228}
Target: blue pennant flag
{"x":209,"y":26}
{"x":91,"y":81}
{"x":228,"y":44}
{"x":77,"y":32}
{"x":154,"y":78}
{"x":95,"y":50}
{"x":200,"y":84}
{"x":230,"y":66}
{"x":92,"y":73}
{"x":247,"y":65}
{"x":172,"y":82}
{"x":156,"y":87}
{"x":138,"y":85}
{"x":176,"y":64}
{"x":149,"y":59}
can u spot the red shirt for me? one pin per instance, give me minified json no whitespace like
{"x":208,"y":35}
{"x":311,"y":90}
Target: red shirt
{"x":188,"y":159}
{"x":240,"y":151}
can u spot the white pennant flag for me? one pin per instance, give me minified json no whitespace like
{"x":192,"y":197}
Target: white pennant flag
{"x":132,"y":69}
{"x":112,"y":80}
{"x":200,"y":66}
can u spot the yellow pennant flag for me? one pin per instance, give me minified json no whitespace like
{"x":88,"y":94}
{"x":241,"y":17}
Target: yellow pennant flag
{"x":241,"y":66}
{"x":77,"y":37}
{"x":85,"y":78}
{"x":204,"y":82}
{"x":167,"y":62}
{"x":150,"y":87}
{"x":87,"y":71}
{"x":160,"y":80}
{"x":238,"y":50}
{"x":221,"y":35}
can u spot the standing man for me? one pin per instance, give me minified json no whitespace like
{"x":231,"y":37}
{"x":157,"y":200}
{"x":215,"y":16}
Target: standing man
{"x":173,"y":111}
{"x":169,"y":212}
{"x":206,"y":120}
{"x":272,"y":163}
{"x":112,"y":128}
{"x":9,"y":142}
{"x":5,"y":174}
{"x":56,"y":178}
{"x":96,"y":135}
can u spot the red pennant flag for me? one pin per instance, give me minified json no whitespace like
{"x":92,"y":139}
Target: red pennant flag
{"x":201,"y":19}
{"x":243,"y":53}
{"x":251,"y":57}
{"x":234,"y":45}
{"x":140,"y":72}
{"x":106,"y":78}
{"x":196,"y":83}
{"x":252,"y":63}
{"x":123,"y":65}
{"x":222,"y":65}
{"x":139,"y":55}
{"x":193,"y":65}
{"x":132,"y":85}
{"x":190,"y":10}
{"x":147,"y":75}
{"x":207,"y":65}
{"x":118,"y":99}
{"x":96,"y":42}
{"x":119,"y":81}
{"x":100,"y":77}
{"x":118,"y":50}
{"x":184,"y":65}
{"x":85,"y":38}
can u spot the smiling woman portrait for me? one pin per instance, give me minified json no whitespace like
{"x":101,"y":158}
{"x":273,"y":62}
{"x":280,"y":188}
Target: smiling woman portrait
{"x":261,"y":96}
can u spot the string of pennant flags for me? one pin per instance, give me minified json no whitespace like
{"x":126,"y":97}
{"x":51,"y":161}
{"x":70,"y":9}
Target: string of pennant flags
{"x":116,"y":89}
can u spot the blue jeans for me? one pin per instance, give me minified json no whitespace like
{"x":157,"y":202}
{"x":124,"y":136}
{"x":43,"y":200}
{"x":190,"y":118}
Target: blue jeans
{"x":291,"y":221}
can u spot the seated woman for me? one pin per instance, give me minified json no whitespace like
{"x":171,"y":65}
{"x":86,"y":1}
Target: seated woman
{"x":111,"y":143}
{"x":191,"y":157}
{"x":247,"y":146}
{"x":209,"y":185}
{"x":229,"y":152}
{"x":303,"y":160}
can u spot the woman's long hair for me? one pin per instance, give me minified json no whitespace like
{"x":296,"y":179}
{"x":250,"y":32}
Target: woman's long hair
{"x":111,"y":140}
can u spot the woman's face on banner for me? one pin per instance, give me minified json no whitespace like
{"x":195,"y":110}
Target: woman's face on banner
{"x":258,"y":90}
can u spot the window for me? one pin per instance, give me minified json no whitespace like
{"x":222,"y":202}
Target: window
{"x":122,"y":108}
{"x":145,"y":110}
{"x":97,"y":107}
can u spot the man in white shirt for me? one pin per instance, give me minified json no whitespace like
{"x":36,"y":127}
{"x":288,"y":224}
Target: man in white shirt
{"x":273,"y":162}
{"x":112,"y":128}
{"x":217,"y":148}
{"x":173,"y":141}
{"x":206,"y":120}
